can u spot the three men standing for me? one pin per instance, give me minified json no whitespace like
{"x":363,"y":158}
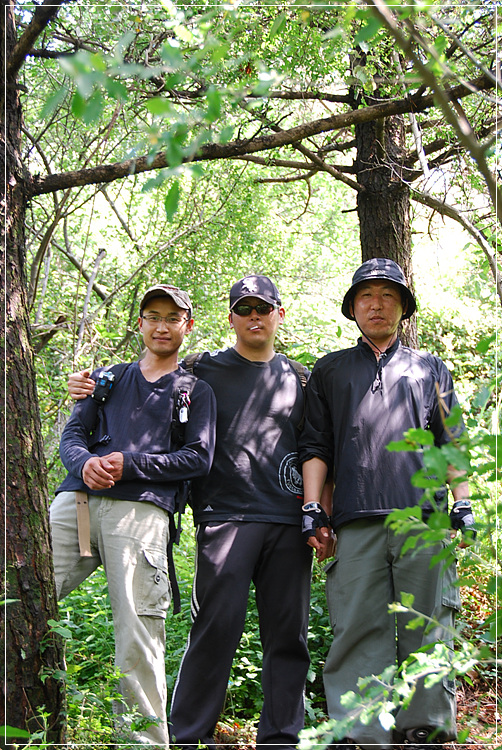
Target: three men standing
{"x":247,"y":511}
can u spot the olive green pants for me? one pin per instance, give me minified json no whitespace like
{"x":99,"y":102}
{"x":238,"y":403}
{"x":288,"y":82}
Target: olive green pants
{"x":367,"y":574}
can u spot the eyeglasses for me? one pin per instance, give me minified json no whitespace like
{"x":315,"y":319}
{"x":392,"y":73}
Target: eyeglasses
{"x":264,"y":308}
{"x":171,"y":320}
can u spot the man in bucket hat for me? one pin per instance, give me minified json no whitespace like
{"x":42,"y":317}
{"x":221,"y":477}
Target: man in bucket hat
{"x":358,"y":401}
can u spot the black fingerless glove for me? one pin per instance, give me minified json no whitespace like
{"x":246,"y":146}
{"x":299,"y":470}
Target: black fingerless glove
{"x":462,"y":517}
{"x":314,"y":517}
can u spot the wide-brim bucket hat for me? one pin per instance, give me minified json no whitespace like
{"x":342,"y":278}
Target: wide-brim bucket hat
{"x":379,"y":268}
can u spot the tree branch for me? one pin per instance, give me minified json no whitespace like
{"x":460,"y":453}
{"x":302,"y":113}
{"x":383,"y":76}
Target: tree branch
{"x":78,"y":265}
{"x":42,"y":16}
{"x":290,"y":164}
{"x":90,"y":284}
{"x":287,"y":179}
{"x":445,"y":98}
{"x":453,"y":213}
{"x":214,"y":151}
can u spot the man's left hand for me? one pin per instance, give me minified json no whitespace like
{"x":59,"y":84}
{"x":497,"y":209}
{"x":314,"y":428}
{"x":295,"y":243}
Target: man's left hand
{"x":115,"y":464}
{"x":462,"y":518}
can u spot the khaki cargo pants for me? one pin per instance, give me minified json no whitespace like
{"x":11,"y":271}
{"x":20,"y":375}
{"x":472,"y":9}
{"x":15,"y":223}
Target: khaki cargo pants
{"x":129,"y":539}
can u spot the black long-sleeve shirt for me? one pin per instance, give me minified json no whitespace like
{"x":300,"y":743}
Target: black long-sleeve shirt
{"x":354,"y":408}
{"x":137,"y":417}
{"x":255,"y":474}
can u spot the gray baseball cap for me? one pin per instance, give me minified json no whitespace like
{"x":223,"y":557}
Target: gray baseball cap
{"x":179,"y":296}
{"x":380,"y":268}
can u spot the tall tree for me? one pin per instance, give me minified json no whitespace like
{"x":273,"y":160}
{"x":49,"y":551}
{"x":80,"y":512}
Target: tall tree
{"x":191,"y":84}
{"x":33,"y":657}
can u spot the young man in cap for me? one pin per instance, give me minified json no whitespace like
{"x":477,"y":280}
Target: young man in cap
{"x":358,"y":401}
{"x":126,"y":467}
{"x":248,"y":515}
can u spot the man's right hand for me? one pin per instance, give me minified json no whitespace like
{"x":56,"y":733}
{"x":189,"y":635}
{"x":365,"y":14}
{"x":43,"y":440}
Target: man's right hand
{"x":98,"y":473}
{"x":80,"y":385}
{"x":323,"y":543}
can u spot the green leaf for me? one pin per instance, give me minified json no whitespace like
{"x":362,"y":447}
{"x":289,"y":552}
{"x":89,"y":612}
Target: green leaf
{"x":174,"y":150}
{"x":368,"y":31}
{"x":226,"y":134}
{"x":436,"y":463}
{"x":97,"y":62}
{"x":413,"y":439}
{"x":116,"y":89}
{"x":441,"y":44}
{"x":484,"y":344}
{"x":278,"y":25}
{"x":172,"y":200}
{"x":454,"y":418}
{"x":6,"y":731}
{"x":422,"y":480}
{"x":438,"y":520}
{"x":159,"y":106}
{"x":171,"y":55}
{"x":220,"y":52}
{"x":407,"y":599}
{"x":456,"y":457}
{"x":53,"y":102}
{"x":78,"y":105}
{"x":124,"y":42}
{"x":93,"y":108}
{"x":213,"y":98}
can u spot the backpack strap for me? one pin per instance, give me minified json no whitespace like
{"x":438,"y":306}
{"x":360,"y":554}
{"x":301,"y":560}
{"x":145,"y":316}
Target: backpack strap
{"x":180,"y":416}
{"x":117,"y":370}
{"x":300,"y":371}
{"x":302,"y":376}
{"x":181,"y":409}
{"x":191,"y":360}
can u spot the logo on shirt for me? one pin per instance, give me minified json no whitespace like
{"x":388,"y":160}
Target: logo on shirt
{"x":290,"y":478}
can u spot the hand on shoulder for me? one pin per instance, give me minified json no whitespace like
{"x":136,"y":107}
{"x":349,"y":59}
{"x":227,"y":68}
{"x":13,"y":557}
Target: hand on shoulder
{"x":80,"y":385}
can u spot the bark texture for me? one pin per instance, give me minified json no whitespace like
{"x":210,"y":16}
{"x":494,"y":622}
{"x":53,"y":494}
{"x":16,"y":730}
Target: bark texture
{"x":32,"y":656}
{"x":383,"y":206}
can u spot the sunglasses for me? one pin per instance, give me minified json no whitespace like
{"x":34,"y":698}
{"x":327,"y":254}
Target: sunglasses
{"x":264,"y":308}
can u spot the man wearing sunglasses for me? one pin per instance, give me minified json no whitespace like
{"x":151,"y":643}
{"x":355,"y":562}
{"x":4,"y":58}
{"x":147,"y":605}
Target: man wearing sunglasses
{"x":247,"y":512}
{"x":248,"y":515}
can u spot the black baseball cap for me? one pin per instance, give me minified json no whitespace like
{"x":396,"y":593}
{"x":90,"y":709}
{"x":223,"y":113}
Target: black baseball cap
{"x":254,"y":286}
{"x":380,"y":268}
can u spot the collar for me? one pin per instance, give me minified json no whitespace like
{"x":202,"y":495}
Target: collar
{"x":367,"y":348}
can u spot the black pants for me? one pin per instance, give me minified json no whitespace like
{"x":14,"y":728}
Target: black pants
{"x":229,"y":556}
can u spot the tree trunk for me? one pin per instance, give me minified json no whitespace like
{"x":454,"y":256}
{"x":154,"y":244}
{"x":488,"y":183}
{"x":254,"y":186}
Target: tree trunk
{"x":31,"y":654}
{"x":384,"y":206}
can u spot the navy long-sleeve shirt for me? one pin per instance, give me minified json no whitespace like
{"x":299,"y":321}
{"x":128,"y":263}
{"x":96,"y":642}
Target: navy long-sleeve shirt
{"x":356,"y":407}
{"x":137,"y":417}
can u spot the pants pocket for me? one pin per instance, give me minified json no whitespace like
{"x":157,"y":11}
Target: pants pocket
{"x":450,"y":596}
{"x":152,"y":591}
{"x":331,"y":592}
